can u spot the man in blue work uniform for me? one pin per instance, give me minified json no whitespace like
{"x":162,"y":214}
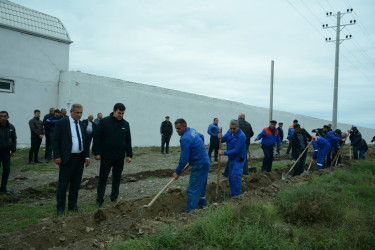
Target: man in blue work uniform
{"x":193,"y":151}
{"x":321,"y":149}
{"x":289,"y":137}
{"x":334,"y":138}
{"x":269,"y":136}
{"x":236,"y":152}
{"x":213,"y":130}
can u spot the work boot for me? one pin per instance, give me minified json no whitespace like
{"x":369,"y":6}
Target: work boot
{"x":99,"y":204}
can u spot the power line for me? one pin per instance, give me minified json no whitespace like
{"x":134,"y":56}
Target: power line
{"x":363,"y":29}
{"x":313,"y":26}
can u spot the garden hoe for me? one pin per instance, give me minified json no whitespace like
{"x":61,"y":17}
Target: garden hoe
{"x":218,"y":168}
{"x":161,"y":191}
{"x":286,"y":175}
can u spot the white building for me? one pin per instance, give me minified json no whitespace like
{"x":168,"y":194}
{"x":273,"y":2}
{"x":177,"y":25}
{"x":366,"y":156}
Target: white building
{"x":34,"y":74}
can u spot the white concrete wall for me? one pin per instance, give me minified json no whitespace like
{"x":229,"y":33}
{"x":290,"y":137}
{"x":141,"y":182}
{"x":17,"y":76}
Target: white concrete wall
{"x":34,"y":64}
{"x":146,"y":107}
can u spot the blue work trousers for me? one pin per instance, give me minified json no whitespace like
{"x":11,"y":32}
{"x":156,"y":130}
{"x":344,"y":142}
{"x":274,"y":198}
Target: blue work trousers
{"x":235,"y":170}
{"x":268,"y":158}
{"x":196,"y":190}
{"x":5,"y":162}
{"x":323,"y":152}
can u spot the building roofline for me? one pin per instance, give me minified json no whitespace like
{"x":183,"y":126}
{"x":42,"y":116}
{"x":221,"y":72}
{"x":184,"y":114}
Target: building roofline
{"x":37,"y":34}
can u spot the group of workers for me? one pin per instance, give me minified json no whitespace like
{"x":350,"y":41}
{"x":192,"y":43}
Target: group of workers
{"x":112,"y":145}
{"x":326,"y":144}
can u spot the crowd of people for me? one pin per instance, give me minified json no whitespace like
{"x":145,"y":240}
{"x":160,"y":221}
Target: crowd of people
{"x":68,"y":141}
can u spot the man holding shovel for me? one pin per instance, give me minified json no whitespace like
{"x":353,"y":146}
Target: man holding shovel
{"x":236,"y":152}
{"x":299,"y":143}
{"x":321,"y":149}
{"x":269,"y":136}
{"x":193,"y":151}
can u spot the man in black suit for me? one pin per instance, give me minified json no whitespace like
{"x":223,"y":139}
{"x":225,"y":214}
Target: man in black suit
{"x":70,"y":154}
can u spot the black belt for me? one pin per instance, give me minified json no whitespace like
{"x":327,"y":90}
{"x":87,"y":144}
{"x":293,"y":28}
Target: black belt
{"x":76,"y":154}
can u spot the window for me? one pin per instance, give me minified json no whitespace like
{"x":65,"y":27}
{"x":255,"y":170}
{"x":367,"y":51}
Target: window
{"x":6,"y":85}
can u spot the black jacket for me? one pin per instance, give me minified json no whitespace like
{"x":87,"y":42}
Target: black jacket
{"x":86,"y":122}
{"x":62,"y":141}
{"x":281,"y":133}
{"x":296,"y":147}
{"x":319,"y":132}
{"x":246,"y":129}
{"x":8,"y":138}
{"x":112,"y":138}
{"x":364,"y":145}
{"x":46,"y":117}
{"x":166,"y":128}
{"x":355,"y":139}
{"x":36,"y":126}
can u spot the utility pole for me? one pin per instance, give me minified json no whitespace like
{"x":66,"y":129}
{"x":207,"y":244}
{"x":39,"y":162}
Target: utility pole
{"x":338,"y":41}
{"x":271,"y":91}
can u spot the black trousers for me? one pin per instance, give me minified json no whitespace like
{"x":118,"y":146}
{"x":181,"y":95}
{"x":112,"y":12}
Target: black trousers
{"x":214,"y":146}
{"x":165,"y":140}
{"x":88,"y":141}
{"x":117,"y":166}
{"x":300,"y":165}
{"x":34,"y":149}
{"x":70,"y":174}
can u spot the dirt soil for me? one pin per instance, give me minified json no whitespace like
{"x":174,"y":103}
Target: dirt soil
{"x":142,"y":179}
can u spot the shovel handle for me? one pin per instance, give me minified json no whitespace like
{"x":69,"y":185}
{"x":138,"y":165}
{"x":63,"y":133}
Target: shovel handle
{"x":218,"y":166}
{"x":164,"y":188}
{"x":299,"y":157}
{"x":312,"y":159}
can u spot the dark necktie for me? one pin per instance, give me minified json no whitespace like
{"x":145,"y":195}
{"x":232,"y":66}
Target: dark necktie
{"x":79,"y":137}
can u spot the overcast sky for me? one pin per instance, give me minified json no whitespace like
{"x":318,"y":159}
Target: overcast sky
{"x":224,"y":49}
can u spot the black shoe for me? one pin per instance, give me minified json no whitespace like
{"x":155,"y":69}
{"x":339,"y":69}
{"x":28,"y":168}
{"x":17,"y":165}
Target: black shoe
{"x":99,"y":204}
{"x":60,"y":212}
{"x":224,"y":174}
{"x":6,"y":191}
{"x":38,"y":162}
{"x":114,"y":200}
{"x":30,"y":162}
{"x":76,"y":209}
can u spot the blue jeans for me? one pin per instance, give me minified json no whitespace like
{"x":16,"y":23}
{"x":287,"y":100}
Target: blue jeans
{"x":268,"y":158}
{"x":235,"y":169}
{"x":196,"y":190}
{"x":5,"y":162}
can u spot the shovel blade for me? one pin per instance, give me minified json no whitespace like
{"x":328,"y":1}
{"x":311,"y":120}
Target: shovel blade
{"x":285,"y":176}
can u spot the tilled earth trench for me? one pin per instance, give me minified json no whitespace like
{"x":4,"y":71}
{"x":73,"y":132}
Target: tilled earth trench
{"x":142,"y":179}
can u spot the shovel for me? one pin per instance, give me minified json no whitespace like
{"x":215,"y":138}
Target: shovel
{"x":337,"y":157}
{"x":286,"y":175}
{"x":218,"y":169}
{"x":308,"y":169}
{"x":161,"y":191}
{"x":251,"y":169}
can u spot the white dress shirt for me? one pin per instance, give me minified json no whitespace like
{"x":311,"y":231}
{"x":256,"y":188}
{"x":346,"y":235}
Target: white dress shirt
{"x":75,"y":144}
